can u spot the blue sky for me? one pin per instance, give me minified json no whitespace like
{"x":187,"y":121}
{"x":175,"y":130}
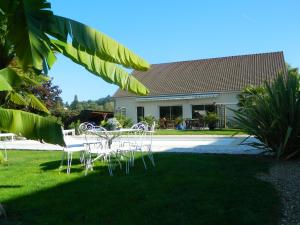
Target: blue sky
{"x":178,"y":30}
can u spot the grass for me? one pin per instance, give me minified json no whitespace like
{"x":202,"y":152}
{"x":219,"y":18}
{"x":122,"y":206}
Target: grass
{"x":227,"y":131}
{"x":182,"y":189}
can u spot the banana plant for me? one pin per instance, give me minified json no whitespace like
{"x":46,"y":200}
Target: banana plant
{"x":31,"y":34}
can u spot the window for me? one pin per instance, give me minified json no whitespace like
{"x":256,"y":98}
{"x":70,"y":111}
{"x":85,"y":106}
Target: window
{"x":201,"y":110}
{"x":170,"y":112}
{"x":140,"y":113}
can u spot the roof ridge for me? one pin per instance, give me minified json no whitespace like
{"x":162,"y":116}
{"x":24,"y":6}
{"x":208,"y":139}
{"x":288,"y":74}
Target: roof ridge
{"x":223,"y":57}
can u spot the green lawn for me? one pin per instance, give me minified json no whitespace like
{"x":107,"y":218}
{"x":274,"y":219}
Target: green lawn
{"x":182,"y":189}
{"x":199,"y":132}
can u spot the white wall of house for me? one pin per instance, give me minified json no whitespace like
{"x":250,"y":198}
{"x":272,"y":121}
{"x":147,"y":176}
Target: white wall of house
{"x":152,"y":107}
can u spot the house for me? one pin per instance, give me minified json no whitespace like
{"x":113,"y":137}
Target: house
{"x":189,"y":88}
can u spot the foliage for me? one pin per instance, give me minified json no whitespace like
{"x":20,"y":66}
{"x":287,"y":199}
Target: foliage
{"x":106,"y":70}
{"x":30,"y":35}
{"x":75,"y":105}
{"x":210,"y":108}
{"x":149,"y":119}
{"x":274,"y":119}
{"x":111,"y":124}
{"x":75,"y":125}
{"x":56,"y":119}
{"x":178,"y":121}
{"x":125,"y":121}
{"x":49,"y":94}
{"x":224,"y":188}
{"x":102,"y":104}
{"x":227,"y":132}
{"x":211,"y":120}
{"x":15,"y":91}
{"x":249,"y":95}
{"x":25,"y":124}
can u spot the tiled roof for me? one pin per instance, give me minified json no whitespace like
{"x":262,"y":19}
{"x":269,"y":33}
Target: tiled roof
{"x":209,"y":75}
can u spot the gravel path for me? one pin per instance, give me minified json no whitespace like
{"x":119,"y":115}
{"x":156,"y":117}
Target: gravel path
{"x":286,"y":178}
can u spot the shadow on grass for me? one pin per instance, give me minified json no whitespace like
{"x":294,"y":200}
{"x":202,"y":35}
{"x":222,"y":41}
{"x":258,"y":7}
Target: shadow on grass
{"x":54,"y":165}
{"x":182,"y":189}
{"x":10,"y":186}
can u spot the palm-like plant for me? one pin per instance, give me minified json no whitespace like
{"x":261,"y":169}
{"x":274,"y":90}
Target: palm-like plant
{"x":275,"y":117}
{"x":30,"y":35}
{"x":248,"y":96}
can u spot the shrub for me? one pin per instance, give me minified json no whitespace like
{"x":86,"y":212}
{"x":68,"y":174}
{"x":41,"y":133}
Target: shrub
{"x":75,"y":125}
{"x":274,"y":119}
{"x":125,"y":121}
{"x":111,"y":124}
{"x":249,"y":95}
{"x":149,"y":119}
{"x":211,"y":120}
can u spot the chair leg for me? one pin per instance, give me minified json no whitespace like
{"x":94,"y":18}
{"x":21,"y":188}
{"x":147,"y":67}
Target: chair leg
{"x":150,"y":155}
{"x":70,"y":155}
{"x":62,"y":161}
{"x":5,"y":155}
{"x":132,"y":158}
{"x":109,"y":166}
{"x":143,"y":159}
{"x":127,"y":166}
{"x":82,"y":157}
{"x":88,"y":163}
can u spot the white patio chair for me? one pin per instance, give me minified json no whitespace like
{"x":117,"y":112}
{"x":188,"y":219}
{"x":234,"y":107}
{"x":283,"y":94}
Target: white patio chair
{"x":72,"y":145}
{"x":99,"y":150}
{"x":75,"y":145}
{"x":7,"y":137}
{"x":147,"y":145}
{"x":130,"y":147}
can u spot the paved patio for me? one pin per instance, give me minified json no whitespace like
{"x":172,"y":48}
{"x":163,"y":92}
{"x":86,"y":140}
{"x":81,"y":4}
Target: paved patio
{"x":193,"y":144}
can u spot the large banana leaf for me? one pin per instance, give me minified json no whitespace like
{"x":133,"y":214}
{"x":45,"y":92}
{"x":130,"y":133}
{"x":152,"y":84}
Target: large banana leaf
{"x":16,"y":98}
{"x":95,"y":42}
{"x":25,"y":19}
{"x":35,"y":103}
{"x":31,"y":126}
{"x":106,"y":70}
{"x":8,"y":79}
{"x":27,"y":100}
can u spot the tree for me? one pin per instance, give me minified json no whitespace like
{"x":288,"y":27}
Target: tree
{"x":48,"y":93}
{"x":76,"y":106}
{"x":31,"y":34}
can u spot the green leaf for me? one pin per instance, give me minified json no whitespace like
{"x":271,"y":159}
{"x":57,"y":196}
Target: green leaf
{"x":27,"y":100}
{"x":35,"y":103}
{"x":107,"y":71}
{"x":94,"y":43}
{"x":16,"y":98}
{"x":9,"y":78}
{"x":4,"y":84}
{"x":31,"y":44}
{"x":31,"y":126}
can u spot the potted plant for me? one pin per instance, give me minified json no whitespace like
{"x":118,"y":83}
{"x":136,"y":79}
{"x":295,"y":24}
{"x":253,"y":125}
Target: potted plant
{"x":178,"y":123}
{"x":211,"y":120}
